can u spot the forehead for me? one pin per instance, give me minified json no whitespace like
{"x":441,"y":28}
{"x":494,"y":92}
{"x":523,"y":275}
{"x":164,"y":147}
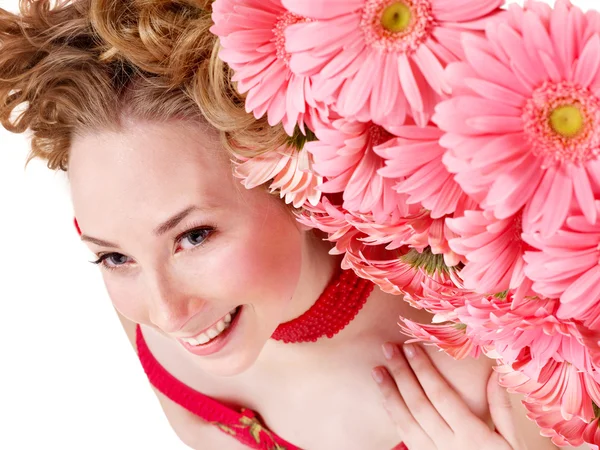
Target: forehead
{"x":159,"y":166}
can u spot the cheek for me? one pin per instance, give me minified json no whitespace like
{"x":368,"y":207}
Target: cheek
{"x":264,"y":267}
{"x":127,"y":302}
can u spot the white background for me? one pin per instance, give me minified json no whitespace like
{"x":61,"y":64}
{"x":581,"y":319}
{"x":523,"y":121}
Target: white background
{"x":69,"y":378}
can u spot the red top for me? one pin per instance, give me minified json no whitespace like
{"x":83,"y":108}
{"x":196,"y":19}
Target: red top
{"x":243,"y":424}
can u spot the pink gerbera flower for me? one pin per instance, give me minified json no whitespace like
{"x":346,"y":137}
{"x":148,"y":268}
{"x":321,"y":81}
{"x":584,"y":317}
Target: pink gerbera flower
{"x":379,"y":59}
{"x":560,"y":386}
{"x":564,"y":432}
{"x":493,"y":249}
{"x":528,"y":336}
{"x":252,"y":37}
{"x":567,"y":267}
{"x":382,"y":267}
{"x":283,"y":168}
{"x":403,"y":270}
{"x":345,"y":155}
{"x":413,"y":160}
{"x":523,"y":126}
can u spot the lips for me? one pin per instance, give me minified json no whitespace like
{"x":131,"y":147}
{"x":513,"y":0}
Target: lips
{"x":197,"y":336}
{"x":217,"y":343}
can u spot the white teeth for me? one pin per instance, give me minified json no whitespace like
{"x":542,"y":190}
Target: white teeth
{"x":201,"y":339}
{"x":212,"y":332}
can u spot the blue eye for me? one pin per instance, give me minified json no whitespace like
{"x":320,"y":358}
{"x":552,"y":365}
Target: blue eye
{"x":197,"y":237}
{"x":200,"y":234}
{"x":109,"y":256}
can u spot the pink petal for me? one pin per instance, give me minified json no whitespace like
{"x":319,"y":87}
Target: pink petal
{"x":463,"y":10}
{"x":431,"y":68}
{"x":495,"y":92}
{"x":588,"y":63}
{"x":489,"y":68}
{"x":356,"y":91}
{"x":584,"y":192}
{"x":552,"y":69}
{"x":276,"y":111}
{"x":409,"y":83}
{"x":586,"y":289}
{"x":495,"y":124}
{"x":500,"y":148}
{"x":344,"y":65}
{"x":558,"y":203}
{"x":295,"y":95}
{"x":477,"y":106}
{"x":512,"y":42}
{"x":569,"y":35}
{"x":307,"y":64}
{"x":535,"y":208}
{"x":322,"y":9}
{"x":305,"y":36}
{"x":536,"y":36}
{"x":511,"y":190}
{"x":445,"y":43}
{"x":561,"y":38}
{"x":385,"y":91}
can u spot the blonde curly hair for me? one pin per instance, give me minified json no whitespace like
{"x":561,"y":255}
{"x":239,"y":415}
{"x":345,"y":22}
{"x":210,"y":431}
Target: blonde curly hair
{"x":70,"y":67}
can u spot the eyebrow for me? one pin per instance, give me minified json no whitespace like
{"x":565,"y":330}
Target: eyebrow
{"x":163,"y":228}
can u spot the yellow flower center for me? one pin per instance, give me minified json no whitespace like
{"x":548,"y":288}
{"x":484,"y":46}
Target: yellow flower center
{"x":396,"y":17}
{"x":567,"y":121}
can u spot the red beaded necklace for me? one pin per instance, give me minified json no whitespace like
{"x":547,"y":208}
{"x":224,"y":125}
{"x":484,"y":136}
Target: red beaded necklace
{"x":335,"y":308}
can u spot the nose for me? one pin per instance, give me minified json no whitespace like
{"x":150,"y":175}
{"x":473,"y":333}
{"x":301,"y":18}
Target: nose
{"x":170,"y":306}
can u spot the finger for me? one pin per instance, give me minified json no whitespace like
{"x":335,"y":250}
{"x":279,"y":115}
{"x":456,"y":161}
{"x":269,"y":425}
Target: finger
{"x":450,"y":406}
{"x":409,"y":430}
{"x":415,"y":399}
{"x":501,"y":410}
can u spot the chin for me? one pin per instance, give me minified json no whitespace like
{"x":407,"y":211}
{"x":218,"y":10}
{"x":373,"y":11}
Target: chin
{"x":247,"y":339}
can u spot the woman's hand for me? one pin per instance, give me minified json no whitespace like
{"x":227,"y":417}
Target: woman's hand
{"x":430,"y":415}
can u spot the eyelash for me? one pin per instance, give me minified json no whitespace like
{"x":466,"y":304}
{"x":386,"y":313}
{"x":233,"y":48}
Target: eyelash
{"x":204,"y":228}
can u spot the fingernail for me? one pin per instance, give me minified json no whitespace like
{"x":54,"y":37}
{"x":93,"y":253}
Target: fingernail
{"x":376,"y":374}
{"x":409,"y":350}
{"x":388,"y":350}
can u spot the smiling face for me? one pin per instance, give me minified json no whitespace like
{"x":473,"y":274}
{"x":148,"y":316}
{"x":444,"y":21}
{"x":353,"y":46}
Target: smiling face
{"x":244,"y":247}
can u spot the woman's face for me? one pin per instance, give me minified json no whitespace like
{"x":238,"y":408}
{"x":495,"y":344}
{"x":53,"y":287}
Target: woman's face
{"x":232,"y":247}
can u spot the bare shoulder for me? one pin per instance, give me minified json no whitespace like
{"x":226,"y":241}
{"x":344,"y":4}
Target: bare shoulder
{"x":193,"y":431}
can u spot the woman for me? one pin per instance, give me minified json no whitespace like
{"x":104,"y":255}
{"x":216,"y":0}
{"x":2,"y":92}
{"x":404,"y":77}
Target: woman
{"x":219,"y":288}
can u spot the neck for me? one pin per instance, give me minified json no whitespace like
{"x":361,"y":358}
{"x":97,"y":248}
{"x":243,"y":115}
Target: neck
{"x":318,"y":268}
{"x":376,"y":321}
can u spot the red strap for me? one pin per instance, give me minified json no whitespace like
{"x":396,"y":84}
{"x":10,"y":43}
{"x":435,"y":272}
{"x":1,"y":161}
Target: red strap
{"x":244,"y":426}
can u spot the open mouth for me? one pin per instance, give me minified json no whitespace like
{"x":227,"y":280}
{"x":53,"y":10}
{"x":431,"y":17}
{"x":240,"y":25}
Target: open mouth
{"x":208,"y":341}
